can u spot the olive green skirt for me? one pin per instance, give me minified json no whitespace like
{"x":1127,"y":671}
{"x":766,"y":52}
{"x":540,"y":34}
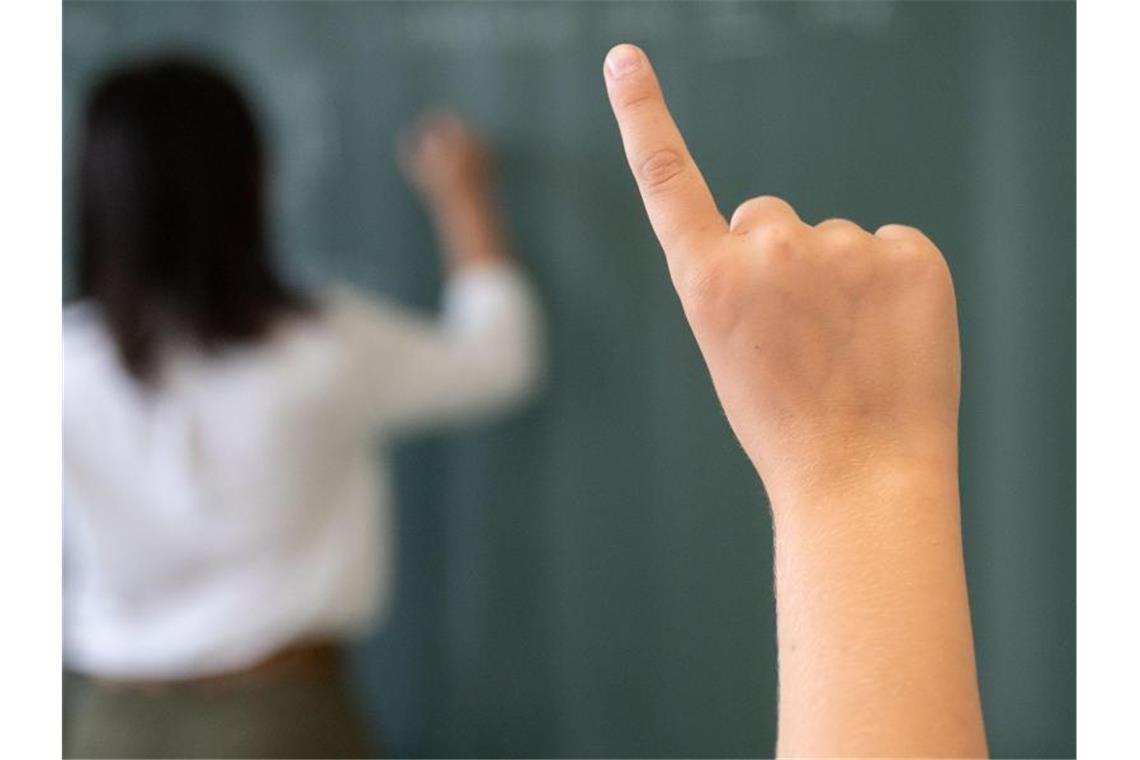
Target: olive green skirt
{"x":298,"y":715}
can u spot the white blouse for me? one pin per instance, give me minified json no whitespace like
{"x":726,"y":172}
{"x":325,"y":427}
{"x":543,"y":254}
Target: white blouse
{"x":237,"y":506}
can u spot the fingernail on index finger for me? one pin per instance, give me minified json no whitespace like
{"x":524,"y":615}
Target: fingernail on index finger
{"x":622,"y":60}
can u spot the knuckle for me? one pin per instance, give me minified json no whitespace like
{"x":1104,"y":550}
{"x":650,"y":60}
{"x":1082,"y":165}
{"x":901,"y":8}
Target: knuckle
{"x":772,"y":203}
{"x":749,"y":209}
{"x":846,"y":240}
{"x":753,"y":211}
{"x":935,"y":263}
{"x":923,"y":261}
{"x":898,"y":231}
{"x":660,"y":168}
{"x":909,"y":241}
{"x":742,"y":212}
{"x":905,"y":237}
{"x":914,"y":250}
{"x":842,"y":234}
{"x":838,"y":226}
{"x":836,"y":223}
{"x":776,"y":238}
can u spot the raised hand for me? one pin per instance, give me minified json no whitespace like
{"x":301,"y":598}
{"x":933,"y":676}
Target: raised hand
{"x":831,"y":349}
{"x":443,"y":157}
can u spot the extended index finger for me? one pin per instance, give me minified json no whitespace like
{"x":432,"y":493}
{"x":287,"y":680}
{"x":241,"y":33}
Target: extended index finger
{"x":680,"y":206}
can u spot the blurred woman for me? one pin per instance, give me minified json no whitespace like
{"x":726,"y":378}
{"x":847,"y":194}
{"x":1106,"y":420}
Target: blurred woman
{"x":226,"y":524}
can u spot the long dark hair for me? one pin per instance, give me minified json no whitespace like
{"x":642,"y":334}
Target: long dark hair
{"x":172,"y":239}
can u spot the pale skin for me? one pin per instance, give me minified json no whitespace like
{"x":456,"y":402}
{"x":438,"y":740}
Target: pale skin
{"x":834,"y":352}
{"x":450,"y":167}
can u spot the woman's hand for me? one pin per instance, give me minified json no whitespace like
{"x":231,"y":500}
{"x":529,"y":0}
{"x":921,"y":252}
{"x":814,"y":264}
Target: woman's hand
{"x":444,"y":159}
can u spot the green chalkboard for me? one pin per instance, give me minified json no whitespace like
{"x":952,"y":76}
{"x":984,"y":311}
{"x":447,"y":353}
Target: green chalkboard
{"x":592,"y":576}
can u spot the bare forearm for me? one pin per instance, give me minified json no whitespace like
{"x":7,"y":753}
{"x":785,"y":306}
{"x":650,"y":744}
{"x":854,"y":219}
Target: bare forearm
{"x":469,"y":229}
{"x":876,"y":652}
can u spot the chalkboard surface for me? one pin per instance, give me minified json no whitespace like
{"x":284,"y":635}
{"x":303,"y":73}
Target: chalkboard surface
{"x":592,"y":576}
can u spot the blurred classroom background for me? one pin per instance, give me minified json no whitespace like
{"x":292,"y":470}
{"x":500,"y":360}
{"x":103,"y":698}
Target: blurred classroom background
{"x":593,"y":576}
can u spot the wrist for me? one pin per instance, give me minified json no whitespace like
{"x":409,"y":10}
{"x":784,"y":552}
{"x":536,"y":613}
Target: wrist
{"x":893,"y":522}
{"x":469,"y":229}
{"x":873,"y":495}
{"x":872,"y":469}
{"x":458,"y":195}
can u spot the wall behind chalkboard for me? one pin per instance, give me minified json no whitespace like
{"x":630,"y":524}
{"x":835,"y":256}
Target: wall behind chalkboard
{"x":592,"y":576}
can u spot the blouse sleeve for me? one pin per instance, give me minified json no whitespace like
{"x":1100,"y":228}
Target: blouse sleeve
{"x":481,"y":356}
